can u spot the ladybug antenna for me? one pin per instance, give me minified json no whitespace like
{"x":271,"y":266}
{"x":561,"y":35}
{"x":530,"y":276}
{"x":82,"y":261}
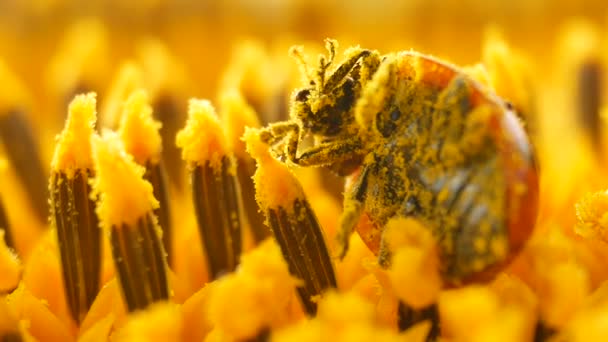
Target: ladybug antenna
{"x":324,"y":62}
{"x":297,"y":53}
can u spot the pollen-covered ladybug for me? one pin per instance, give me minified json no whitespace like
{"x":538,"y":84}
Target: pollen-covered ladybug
{"x":419,"y":138}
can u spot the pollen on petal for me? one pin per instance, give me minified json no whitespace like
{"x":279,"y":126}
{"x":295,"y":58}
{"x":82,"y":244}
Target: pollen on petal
{"x":125,"y":196}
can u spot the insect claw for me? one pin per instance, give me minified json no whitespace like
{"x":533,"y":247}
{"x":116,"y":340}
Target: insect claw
{"x":343,"y":244}
{"x":265,"y":136}
{"x":331,"y":45}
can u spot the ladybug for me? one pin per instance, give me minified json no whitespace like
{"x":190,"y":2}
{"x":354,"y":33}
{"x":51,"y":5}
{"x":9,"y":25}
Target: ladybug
{"x":416,"y":137}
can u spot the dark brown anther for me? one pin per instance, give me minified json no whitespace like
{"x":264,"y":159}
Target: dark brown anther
{"x":166,"y":111}
{"x":216,"y":205}
{"x":245,"y":170}
{"x":294,"y":225}
{"x":79,"y":238}
{"x":21,"y":149}
{"x":589,"y":100}
{"x":157,"y":176}
{"x":140,"y":263}
{"x":299,"y":235}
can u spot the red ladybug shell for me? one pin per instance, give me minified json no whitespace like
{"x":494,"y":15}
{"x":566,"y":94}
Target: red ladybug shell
{"x":517,"y":170}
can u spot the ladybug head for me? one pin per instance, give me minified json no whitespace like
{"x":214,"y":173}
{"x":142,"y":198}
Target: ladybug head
{"x":325,"y":106}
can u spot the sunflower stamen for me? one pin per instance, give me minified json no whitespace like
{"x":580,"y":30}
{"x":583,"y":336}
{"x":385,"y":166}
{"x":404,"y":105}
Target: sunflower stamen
{"x":140,"y":135}
{"x":214,"y":187}
{"x":293,"y":223}
{"x":125,"y":209}
{"x":73,"y":208}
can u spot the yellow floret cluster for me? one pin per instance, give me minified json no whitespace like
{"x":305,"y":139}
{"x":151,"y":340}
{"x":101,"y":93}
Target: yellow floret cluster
{"x":157,"y":70}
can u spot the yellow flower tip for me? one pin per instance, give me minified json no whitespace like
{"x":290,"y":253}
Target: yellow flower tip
{"x":580,"y":38}
{"x":508,"y":72}
{"x":342,"y":310}
{"x":346,"y":317}
{"x":284,"y":188}
{"x":73,"y":150}
{"x":480,"y":73}
{"x":247,"y":71}
{"x":100,"y":331}
{"x":10,"y":266}
{"x":12,"y":91}
{"x":9,"y":325}
{"x":203,"y":139}
{"x":41,"y":323}
{"x":81,"y":58}
{"x":513,"y":291}
{"x":463,"y":312}
{"x":138,"y":129}
{"x":592,"y":216}
{"x":163,"y":72}
{"x":509,"y":325}
{"x":127,"y":80}
{"x":590,"y":323}
{"x":194,"y":313}
{"x":260,"y":291}
{"x":255,"y":146}
{"x":108,"y":303}
{"x":560,"y":299}
{"x":124,"y":196}
{"x":159,"y":322}
{"x":414,"y":271}
{"x":238,"y":115}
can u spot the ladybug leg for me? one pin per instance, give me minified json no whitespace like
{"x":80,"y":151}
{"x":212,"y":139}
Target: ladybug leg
{"x":369,"y":60}
{"x":353,"y":208}
{"x":326,"y":153}
{"x":384,"y":253}
{"x":279,"y":132}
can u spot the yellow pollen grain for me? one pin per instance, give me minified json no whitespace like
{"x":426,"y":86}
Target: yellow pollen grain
{"x":73,"y":149}
{"x":160,"y":322}
{"x":203,"y":137}
{"x":237,"y":115}
{"x":138,"y":129}
{"x":275,"y":185}
{"x":414,"y":271}
{"x":260,"y":291}
{"x":592,"y":216}
{"x":124,"y":196}
{"x":480,"y":244}
{"x":346,"y":317}
{"x":499,"y":247}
